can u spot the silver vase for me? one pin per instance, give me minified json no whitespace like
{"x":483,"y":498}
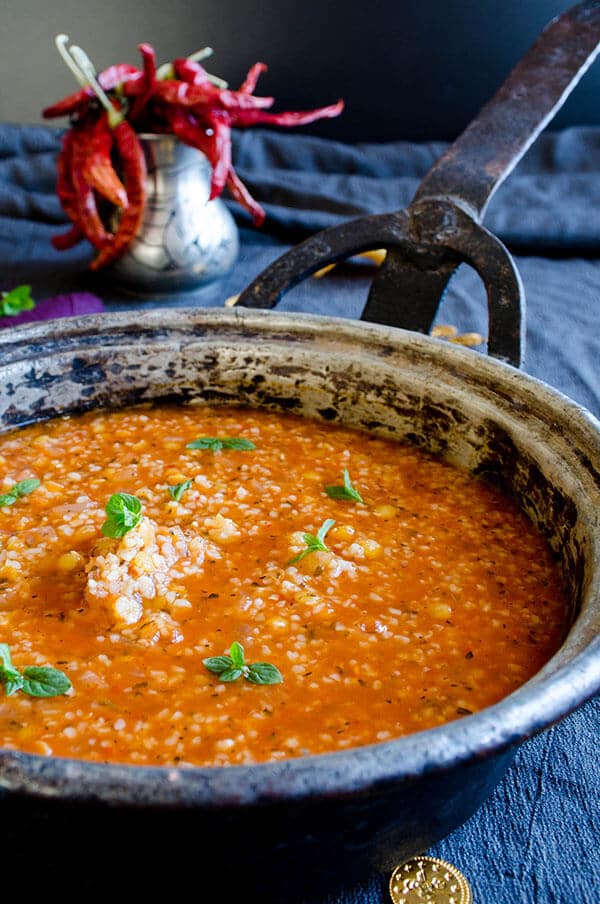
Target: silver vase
{"x":184,"y":240}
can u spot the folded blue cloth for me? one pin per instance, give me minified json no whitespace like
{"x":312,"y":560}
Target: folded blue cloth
{"x":536,"y":840}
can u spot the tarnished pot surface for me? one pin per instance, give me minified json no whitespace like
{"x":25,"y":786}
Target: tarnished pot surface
{"x":333,"y":817}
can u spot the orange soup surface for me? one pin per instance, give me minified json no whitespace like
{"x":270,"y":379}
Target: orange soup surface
{"x":428,"y":600}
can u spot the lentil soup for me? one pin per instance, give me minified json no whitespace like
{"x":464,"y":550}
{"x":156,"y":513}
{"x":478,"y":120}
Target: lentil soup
{"x":388,"y":590}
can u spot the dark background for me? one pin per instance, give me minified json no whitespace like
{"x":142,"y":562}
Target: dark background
{"x":407,"y":69}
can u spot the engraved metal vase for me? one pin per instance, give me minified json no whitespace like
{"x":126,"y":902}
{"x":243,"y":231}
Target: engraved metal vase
{"x":184,"y":240}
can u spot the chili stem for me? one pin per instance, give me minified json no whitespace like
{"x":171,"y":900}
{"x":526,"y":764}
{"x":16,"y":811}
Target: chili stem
{"x":87,"y":67}
{"x":167,"y":70}
{"x":61,"y":43}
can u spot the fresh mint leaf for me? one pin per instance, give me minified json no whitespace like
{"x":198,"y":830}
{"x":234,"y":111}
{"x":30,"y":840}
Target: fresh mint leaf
{"x":21,"y":488}
{"x":233,"y":667}
{"x":264,"y":673}
{"x":123,"y":512}
{"x":347,"y":491}
{"x":36,"y":681}
{"x":12,"y":681}
{"x":17,"y":300}
{"x":231,"y":675}
{"x":218,"y":664}
{"x":177,"y":491}
{"x":44,"y":682}
{"x":5,"y":655}
{"x":314,"y":544}
{"x":216,"y":443}
{"x":236,"y":651}
{"x":323,"y":531}
{"x":10,"y":677}
{"x":237,"y":442}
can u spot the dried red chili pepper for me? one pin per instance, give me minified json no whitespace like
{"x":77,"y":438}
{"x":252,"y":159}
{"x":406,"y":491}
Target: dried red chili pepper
{"x":194,"y":90}
{"x":180,"y":98}
{"x":288,"y":118}
{"x":184,"y":94}
{"x":97,"y":167}
{"x":120,"y":74}
{"x":186,"y":127}
{"x":67,"y":195}
{"x":240,"y":193}
{"x":109,"y":80}
{"x":212,"y":136}
{"x":76,"y":196}
{"x":87,"y":214}
{"x":64,"y":182}
{"x":67,"y":239}
{"x":192,"y":72}
{"x":148,"y":82}
{"x":251,"y":80}
{"x":133,"y":164}
{"x":219,"y":151}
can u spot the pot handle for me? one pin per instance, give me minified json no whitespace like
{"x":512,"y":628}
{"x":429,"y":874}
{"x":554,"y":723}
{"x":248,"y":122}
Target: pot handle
{"x":487,"y":151}
{"x":441,"y":228}
{"x":466,"y":177}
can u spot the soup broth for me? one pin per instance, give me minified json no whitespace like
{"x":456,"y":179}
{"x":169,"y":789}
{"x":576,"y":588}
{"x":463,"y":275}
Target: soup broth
{"x":385,"y":590}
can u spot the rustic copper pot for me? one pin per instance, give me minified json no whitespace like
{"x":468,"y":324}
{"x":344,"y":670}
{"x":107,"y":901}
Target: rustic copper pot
{"x":343,"y":815}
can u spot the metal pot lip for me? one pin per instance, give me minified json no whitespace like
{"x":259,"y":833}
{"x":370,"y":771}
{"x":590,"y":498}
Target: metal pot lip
{"x":548,"y":697}
{"x":323,"y":325}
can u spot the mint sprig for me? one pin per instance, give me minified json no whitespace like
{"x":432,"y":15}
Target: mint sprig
{"x":347,"y":491}
{"x":35,"y":681}
{"x":123,"y":512}
{"x":314,"y":543}
{"x":233,"y":667}
{"x":177,"y":491}
{"x":17,"y":300}
{"x":22,"y":488}
{"x":216,"y":443}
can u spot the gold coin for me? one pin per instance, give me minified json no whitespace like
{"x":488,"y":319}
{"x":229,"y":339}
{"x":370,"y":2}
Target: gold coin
{"x":428,"y":880}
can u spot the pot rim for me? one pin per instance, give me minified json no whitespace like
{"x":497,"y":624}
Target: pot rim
{"x":552,"y":694}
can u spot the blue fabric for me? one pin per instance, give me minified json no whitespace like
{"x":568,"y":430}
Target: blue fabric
{"x":536,"y":840}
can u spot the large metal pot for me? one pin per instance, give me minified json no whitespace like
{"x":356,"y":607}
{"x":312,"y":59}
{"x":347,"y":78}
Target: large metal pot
{"x":282,"y":828}
{"x":343,"y":814}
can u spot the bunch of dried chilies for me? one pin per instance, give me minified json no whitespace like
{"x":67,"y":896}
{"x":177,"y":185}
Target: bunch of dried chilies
{"x":101,"y":169}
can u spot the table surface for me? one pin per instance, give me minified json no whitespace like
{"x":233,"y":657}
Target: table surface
{"x":536,"y":839}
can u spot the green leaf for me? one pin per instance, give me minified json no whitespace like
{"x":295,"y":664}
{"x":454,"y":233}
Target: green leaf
{"x":323,"y":531}
{"x":5,"y":656}
{"x":218,"y":664}
{"x":123,"y":505}
{"x":236,"y":651}
{"x":22,"y":488}
{"x":216,"y":443}
{"x":25,"y":487}
{"x":347,"y":491}
{"x":45,"y":682}
{"x":124,"y":512}
{"x":231,"y":668}
{"x":314,"y":544}
{"x":231,"y":675}
{"x":237,"y":442}
{"x":10,"y":677}
{"x":179,"y":489}
{"x":12,"y":682}
{"x":264,"y":673}
{"x":17,"y":300}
